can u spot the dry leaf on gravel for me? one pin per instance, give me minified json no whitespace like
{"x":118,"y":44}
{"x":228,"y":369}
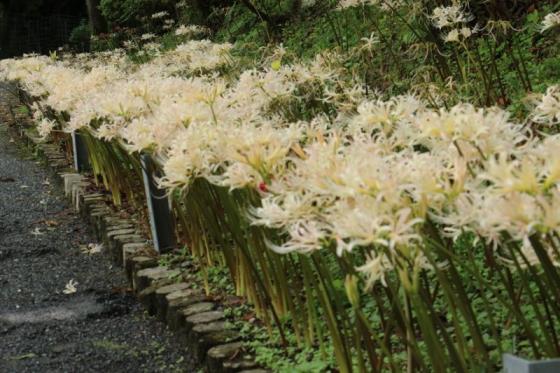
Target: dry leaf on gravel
{"x":51,"y":223}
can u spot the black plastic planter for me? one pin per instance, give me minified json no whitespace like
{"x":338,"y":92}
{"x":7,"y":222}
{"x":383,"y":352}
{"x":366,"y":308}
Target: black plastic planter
{"x":161,"y":220}
{"x":81,"y":160}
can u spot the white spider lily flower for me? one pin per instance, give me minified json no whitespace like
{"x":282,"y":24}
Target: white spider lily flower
{"x":376,"y":268}
{"x":191,"y":30}
{"x":45,"y":127}
{"x":147,"y":36}
{"x":159,"y":15}
{"x":278,"y":211}
{"x":92,"y":248}
{"x":551,"y":20}
{"x":37,"y":232}
{"x":70,"y":287}
{"x":445,"y":16}
{"x":460,"y":34}
{"x":305,"y":237}
{"x":342,"y":4}
{"x":452,"y":36}
{"x":370,"y":42}
{"x":385,"y":4}
{"x":547,"y":110}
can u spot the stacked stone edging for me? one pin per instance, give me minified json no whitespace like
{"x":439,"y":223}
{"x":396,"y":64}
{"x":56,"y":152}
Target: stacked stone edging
{"x":198,"y":320}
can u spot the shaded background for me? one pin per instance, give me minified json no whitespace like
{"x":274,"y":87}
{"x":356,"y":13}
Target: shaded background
{"x":38,"y":26}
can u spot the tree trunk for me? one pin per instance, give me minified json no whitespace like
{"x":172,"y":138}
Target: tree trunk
{"x":97,"y":22}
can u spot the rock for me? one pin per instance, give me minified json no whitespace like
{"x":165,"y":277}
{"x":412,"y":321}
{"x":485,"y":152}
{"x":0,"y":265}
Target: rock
{"x":104,"y":229}
{"x":238,"y":364}
{"x":198,"y":308}
{"x":115,"y":225}
{"x":206,"y":341}
{"x":174,"y":302}
{"x":70,"y":180}
{"x":161,"y":298}
{"x":111,"y":222}
{"x":118,"y":226}
{"x":164,"y":291}
{"x":220,"y":353}
{"x":187,"y":323}
{"x":119,"y":230}
{"x":95,"y":217}
{"x":144,"y":277}
{"x":215,"y":326}
{"x":204,"y":317}
{"x":88,"y":201}
{"x":118,"y":243}
{"x":131,"y":250}
{"x":175,"y":319}
{"x":112,"y":233}
{"x":136,"y":264}
{"x":148,"y":295}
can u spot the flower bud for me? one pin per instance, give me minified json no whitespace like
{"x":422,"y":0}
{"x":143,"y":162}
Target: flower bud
{"x":351,"y":286}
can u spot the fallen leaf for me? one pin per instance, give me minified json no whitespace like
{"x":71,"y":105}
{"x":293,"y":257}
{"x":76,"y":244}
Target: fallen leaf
{"x":24,"y":356}
{"x":121,"y":290}
{"x":248,"y":316}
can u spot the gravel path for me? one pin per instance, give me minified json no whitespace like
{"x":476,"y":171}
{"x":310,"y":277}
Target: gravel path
{"x":100,"y":327}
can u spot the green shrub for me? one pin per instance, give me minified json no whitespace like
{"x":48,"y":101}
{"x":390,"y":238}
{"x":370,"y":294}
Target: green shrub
{"x":80,"y":36}
{"x":130,"y":12}
{"x":105,"y":42}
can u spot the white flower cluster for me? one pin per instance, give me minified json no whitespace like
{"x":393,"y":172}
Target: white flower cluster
{"x":447,"y":16}
{"x":342,"y":4}
{"x":191,"y":30}
{"x":457,"y":35}
{"x":547,"y":110}
{"x":550,"y":21}
{"x":147,"y":36}
{"x":160,"y":15}
{"x":383,"y":4}
{"x":370,"y":176}
{"x":454,"y":17}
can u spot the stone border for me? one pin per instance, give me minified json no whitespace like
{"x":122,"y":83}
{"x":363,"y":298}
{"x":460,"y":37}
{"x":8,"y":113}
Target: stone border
{"x":195,"y":318}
